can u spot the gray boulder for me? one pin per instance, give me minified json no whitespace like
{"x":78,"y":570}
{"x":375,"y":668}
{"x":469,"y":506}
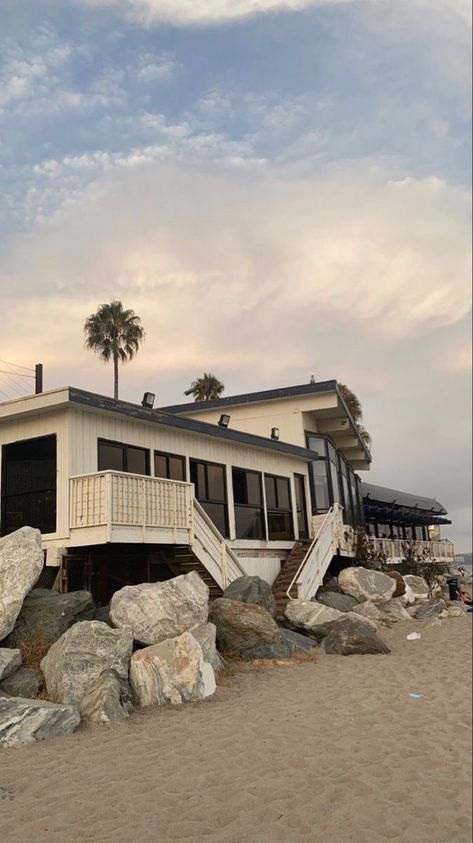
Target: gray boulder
{"x":349,"y":638}
{"x":45,"y":616}
{"x":26,"y":682}
{"x":241,"y":626}
{"x":172,"y":672}
{"x":308,"y":615}
{"x":154,"y":612}
{"x":10,"y":660}
{"x":395,"y":610}
{"x":24,"y":721}
{"x":337,"y":600}
{"x":418,"y":587}
{"x":81,"y":655}
{"x":364,"y":584}
{"x":206,"y":636}
{"x":106,"y":700}
{"x":21,"y":562}
{"x":372,"y":611}
{"x":430,"y":608}
{"x":291,"y":644}
{"x":252,"y":590}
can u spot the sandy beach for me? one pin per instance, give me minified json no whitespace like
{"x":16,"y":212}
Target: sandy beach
{"x":334,"y":750}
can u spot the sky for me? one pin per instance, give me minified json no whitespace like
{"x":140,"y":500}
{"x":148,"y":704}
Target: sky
{"x":278,"y":188}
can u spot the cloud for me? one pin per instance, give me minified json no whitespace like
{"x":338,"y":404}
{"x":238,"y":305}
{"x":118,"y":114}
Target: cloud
{"x":182,"y":12}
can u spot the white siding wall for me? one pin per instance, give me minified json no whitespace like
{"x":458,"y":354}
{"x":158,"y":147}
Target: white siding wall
{"x":46,"y":424}
{"x":86,"y":427}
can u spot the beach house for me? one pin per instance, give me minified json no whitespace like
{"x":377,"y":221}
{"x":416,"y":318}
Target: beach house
{"x":260,"y":484}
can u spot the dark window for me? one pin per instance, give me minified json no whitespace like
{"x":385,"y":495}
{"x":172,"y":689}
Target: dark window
{"x":278,"y":506}
{"x":248,"y":499}
{"x":169,"y":466}
{"x":29,"y":485}
{"x":319,"y":480}
{"x":345,"y":487}
{"x":301,"y":509}
{"x":211,"y":491}
{"x":115,"y":456}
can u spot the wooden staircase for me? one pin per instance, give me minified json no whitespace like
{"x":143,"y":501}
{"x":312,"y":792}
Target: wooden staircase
{"x":180,"y":560}
{"x":287,"y":573}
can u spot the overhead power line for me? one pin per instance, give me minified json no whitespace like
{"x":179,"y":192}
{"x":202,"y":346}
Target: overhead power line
{"x":18,"y":365}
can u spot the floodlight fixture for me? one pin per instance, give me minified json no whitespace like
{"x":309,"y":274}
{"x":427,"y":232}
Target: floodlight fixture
{"x":148,"y":400}
{"x":275,"y":433}
{"x":224,"y":420}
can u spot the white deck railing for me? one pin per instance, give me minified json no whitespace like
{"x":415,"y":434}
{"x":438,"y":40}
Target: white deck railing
{"x":113,"y":498}
{"x":310,"y":574}
{"x":396,"y":549}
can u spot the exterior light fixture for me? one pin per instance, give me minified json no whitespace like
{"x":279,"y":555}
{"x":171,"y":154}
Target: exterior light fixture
{"x":224,"y":420}
{"x":275,"y":433}
{"x":148,"y":400}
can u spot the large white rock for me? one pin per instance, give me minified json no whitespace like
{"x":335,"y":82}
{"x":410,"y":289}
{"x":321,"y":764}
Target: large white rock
{"x":157,"y":611}
{"x":21,"y":562}
{"x":10,"y":660}
{"x":173,"y":671}
{"x":206,"y":636}
{"x":81,"y":655}
{"x":25,"y":721}
{"x":418,"y":587}
{"x":307,"y":614}
{"x":366,"y":585}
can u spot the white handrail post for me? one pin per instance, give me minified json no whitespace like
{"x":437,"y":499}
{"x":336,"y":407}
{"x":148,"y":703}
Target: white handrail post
{"x":108,"y":503}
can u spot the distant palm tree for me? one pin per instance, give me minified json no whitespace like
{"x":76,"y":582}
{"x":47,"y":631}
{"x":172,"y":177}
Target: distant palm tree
{"x":356,"y":411}
{"x":114,"y":334}
{"x":206,"y":388}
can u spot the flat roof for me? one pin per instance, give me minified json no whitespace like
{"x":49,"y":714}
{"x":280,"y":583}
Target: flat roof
{"x":161,"y":417}
{"x":395,"y":497}
{"x":252,"y":397}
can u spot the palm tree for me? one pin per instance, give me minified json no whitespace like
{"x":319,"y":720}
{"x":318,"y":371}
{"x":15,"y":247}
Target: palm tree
{"x":206,"y":388}
{"x":114,"y":334}
{"x":356,"y":411}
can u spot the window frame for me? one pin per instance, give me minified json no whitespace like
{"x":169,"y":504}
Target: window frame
{"x":278,"y":509}
{"x":301,"y":478}
{"x":261,"y":507}
{"x":167,"y":455}
{"x":213,"y":501}
{"x":5,"y":496}
{"x":124,"y":446}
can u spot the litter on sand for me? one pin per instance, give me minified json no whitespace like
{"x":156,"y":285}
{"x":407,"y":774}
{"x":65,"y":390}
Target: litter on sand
{"x":414,"y":696}
{"x":413,"y":636}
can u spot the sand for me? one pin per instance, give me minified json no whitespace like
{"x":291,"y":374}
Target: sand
{"x":329,"y":751}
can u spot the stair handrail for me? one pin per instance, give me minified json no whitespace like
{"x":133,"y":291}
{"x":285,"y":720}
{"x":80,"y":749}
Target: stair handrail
{"x":328,"y":518}
{"x":210,"y":524}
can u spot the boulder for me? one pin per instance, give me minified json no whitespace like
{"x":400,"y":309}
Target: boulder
{"x":430,"y":608}
{"x":106,"y":700}
{"x":206,"y":636}
{"x":308,"y":615}
{"x":337,"y":600}
{"x":329,"y":584}
{"x":45,"y":616}
{"x":241,"y":626}
{"x":81,"y":655}
{"x":26,"y":682}
{"x":21,"y":562}
{"x":418,"y":587}
{"x":371,"y":611}
{"x":349,"y":638}
{"x":290,"y":645}
{"x":395,"y":610}
{"x":364,"y":584}
{"x":173,"y":671}
{"x":252,"y":590}
{"x":154,"y":612}
{"x":24,"y":721}
{"x":400,"y":583}
{"x":10,"y":660}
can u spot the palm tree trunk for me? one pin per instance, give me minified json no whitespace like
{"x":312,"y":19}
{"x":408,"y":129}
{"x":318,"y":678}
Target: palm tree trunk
{"x":115,"y":375}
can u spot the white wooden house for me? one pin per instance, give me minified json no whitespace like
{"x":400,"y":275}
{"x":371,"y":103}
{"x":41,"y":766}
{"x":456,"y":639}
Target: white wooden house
{"x":124,"y":494}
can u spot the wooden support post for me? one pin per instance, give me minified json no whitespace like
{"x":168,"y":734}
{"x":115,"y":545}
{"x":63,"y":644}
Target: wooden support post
{"x":38,"y":378}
